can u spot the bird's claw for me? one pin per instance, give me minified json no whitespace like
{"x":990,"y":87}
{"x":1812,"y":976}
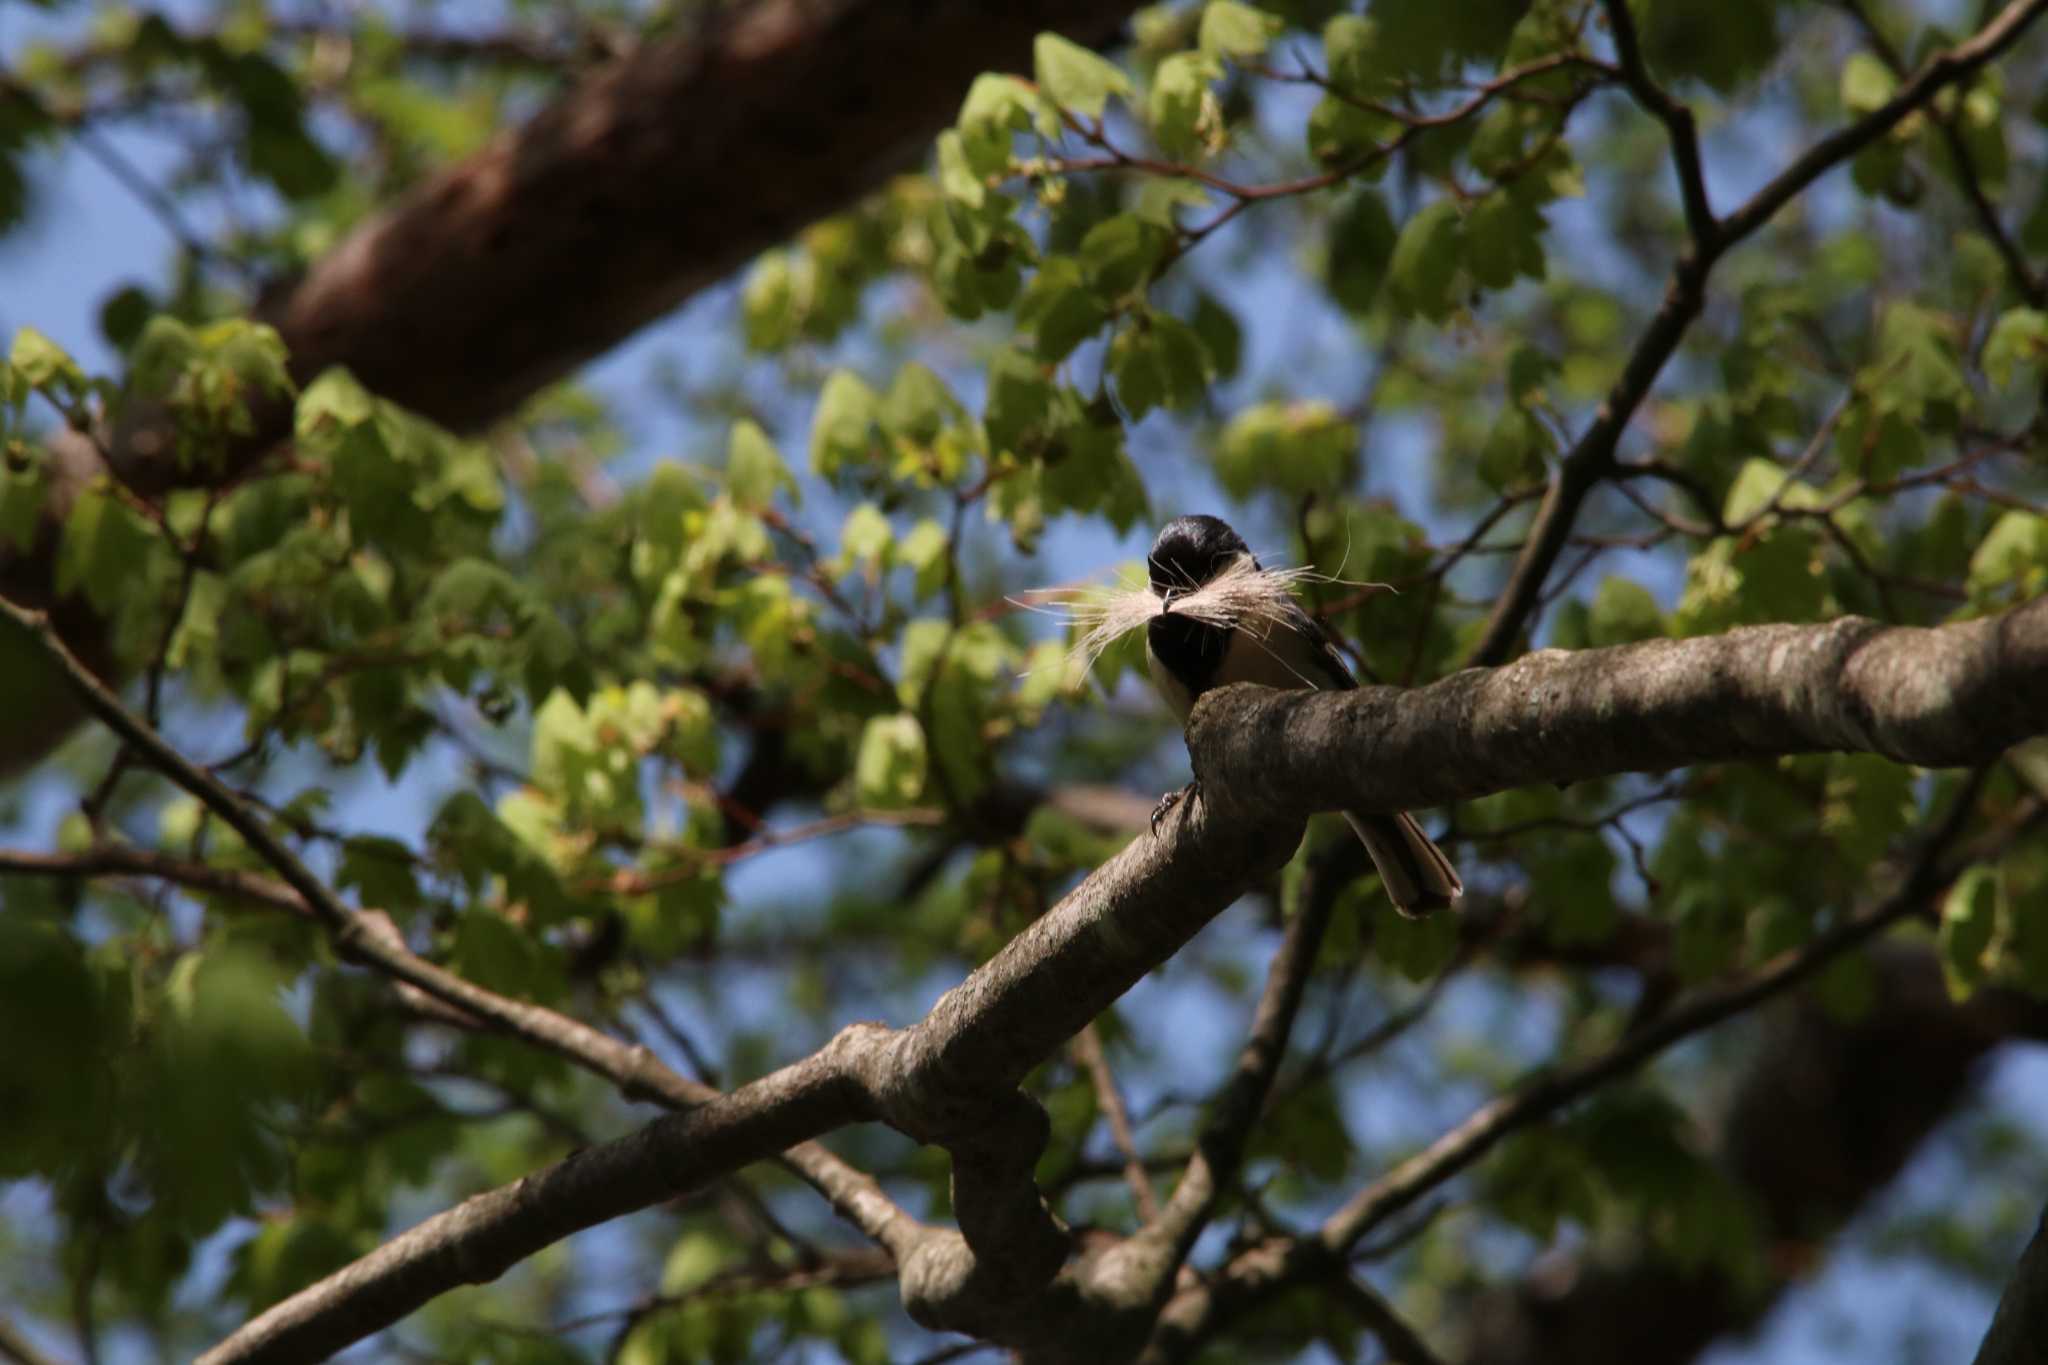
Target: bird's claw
{"x":1169,"y":801}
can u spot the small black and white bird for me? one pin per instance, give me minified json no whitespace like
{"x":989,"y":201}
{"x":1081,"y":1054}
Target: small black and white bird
{"x":1187,"y":657}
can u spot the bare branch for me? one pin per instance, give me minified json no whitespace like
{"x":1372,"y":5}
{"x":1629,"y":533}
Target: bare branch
{"x":1087,"y":1050}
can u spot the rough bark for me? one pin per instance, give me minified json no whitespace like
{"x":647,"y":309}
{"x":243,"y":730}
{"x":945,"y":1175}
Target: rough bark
{"x":1945,"y":696}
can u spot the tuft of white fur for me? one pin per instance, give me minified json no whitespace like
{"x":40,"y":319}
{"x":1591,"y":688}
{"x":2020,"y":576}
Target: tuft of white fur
{"x":1243,"y":597}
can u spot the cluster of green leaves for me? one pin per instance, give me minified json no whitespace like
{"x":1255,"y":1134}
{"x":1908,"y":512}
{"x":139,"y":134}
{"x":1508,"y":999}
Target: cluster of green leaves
{"x":1628,"y":1166}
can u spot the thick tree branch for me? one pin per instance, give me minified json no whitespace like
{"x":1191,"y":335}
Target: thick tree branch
{"x":1944,"y":696}
{"x":1591,"y":458}
{"x":657,"y":175}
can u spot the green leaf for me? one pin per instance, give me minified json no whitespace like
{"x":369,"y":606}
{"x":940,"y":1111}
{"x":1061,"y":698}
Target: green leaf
{"x":1181,"y":106}
{"x":1504,"y":239}
{"x":1340,"y":134}
{"x":768,"y":303}
{"x":1709,"y":932}
{"x":498,"y":955}
{"x":1756,"y":484}
{"x":996,"y":107}
{"x":1060,"y":308}
{"x":334,"y":399}
{"x":1624,"y":611}
{"x":889,"y":770}
{"x":64,"y":1103}
{"x":1075,"y":78}
{"x":103,"y":546}
{"x":45,"y":364}
{"x":1289,"y":447}
{"x":21,"y":503}
{"x":1220,"y":335}
{"x":1878,"y":441}
{"x":1866,"y":804}
{"x":1416,"y":948}
{"x":2018,"y":339}
{"x":1723,"y":45}
{"x":124,"y":314}
{"x":198,"y":632}
{"x":1969,"y":915}
{"x":2012,"y":559}
{"x":1515,"y":448}
{"x":1236,"y":31}
{"x":753,"y":467}
{"x":919,"y":406}
{"x":380,"y":871}
{"x":1118,"y":253}
{"x":924,"y":551}
{"x":1158,"y":361}
{"x":1867,"y":83}
{"x":1362,"y":237}
{"x":1019,"y":407}
{"x":1918,"y":372}
{"x":1354,"y":56}
{"x":1426,"y":260}
{"x":866,"y":536}
{"x":842,"y":431}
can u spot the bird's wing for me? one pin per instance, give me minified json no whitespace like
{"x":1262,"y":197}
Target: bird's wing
{"x":1330,"y":663}
{"x":1284,"y":650}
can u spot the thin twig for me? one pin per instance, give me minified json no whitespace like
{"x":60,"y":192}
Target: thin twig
{"x":1087,"y":1049}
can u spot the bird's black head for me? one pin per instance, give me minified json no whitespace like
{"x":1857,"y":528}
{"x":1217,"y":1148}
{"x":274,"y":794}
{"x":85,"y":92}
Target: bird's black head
{"x":1189,"y":551}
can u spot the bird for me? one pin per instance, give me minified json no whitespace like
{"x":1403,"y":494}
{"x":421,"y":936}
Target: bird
{"x":1186,"y":657}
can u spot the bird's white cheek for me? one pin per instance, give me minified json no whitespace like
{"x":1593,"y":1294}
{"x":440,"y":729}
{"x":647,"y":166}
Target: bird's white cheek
{"x":1177,"y":696}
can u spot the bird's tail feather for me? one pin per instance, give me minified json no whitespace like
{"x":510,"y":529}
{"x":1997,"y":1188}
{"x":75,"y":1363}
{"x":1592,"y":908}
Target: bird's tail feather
{"x":1417,"y":875}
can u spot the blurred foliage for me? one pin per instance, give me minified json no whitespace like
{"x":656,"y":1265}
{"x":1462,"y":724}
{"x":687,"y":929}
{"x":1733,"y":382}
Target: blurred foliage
{"x":551,"y":699}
